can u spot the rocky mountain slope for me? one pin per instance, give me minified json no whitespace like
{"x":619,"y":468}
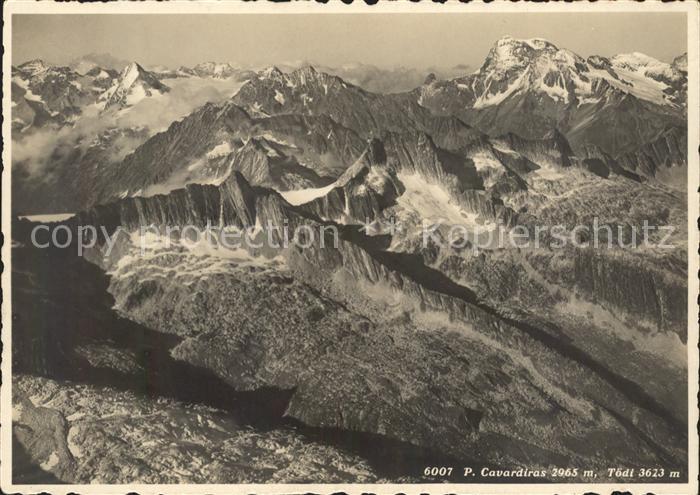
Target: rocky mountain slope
{"x":361,"y":305}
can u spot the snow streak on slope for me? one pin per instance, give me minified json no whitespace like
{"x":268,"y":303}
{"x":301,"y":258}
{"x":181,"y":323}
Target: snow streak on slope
{"x":154,"y":256}
{"x":302,"y":196}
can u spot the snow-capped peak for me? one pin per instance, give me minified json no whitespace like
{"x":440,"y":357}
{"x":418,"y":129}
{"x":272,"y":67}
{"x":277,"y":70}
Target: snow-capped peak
{"x":515,"y":66}
{"x":308,"y":69}
{"x":639,"y":62}
{"x":538,"y":43}
{"x":131,"y":73}
{"x":134,"y":84}
{"x":510,"y":54}
{"x":652,"y":79}
{"x":134,"y":74}
{"x":534,"y":43}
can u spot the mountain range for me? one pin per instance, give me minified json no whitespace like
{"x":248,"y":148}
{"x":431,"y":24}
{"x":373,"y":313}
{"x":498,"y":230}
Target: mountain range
{"x":384,"y":344}
{"x":627,"y":112}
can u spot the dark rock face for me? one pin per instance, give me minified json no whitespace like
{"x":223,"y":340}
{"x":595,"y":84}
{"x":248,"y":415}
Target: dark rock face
{"x":103,"y":76}
{"x":97,"y":397}
{"x":640,"y":290}
{"x":664,"y":159}
{"x":362,"y":192}
{"x":655,"y":159}
{"x":629,"y":122}
{"x":265,"y":163}
{"x":602,"y":164}
{"x":157,"y":159}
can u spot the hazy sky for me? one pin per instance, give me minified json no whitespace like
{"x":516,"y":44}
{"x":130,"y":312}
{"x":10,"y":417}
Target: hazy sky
{"x":387,"y":40}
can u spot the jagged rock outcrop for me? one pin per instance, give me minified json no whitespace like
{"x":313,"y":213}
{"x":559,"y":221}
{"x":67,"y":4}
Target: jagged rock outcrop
{"x":232,"y":203}
{"x":365,"y":189}
{"x":373,"y":184}
{"x":597,"y":161}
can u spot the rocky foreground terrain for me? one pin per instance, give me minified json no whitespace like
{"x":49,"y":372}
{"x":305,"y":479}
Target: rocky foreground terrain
{"x":367,"y":354}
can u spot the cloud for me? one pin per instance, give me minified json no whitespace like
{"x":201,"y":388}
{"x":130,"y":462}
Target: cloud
{"x":33,"y":151}
{"x":185,"y":95}
{"x":104,"y":60}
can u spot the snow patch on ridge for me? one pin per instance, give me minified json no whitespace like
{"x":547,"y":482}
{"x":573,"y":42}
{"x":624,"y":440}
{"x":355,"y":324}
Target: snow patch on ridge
{"x":430,"y":201}
{"x":49,"y":217}
{"x":222,"y":149}
{"x":303,"y":196}
{"x":486,"y":100}
{"x":155,"y":256}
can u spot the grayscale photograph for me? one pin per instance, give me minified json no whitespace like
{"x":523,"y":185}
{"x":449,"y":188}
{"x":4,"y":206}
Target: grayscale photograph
{"x":350,"y":248}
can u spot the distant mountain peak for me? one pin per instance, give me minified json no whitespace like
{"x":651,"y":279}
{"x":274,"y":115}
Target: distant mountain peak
{"x":638,"y":61}
{"x":34,"y":66}
{"x":431,"y":78}
{"x":271,"y":71}
{"x":133,"y":84}
{"x":131,"y":68}
{"x":509,"y":47}
{"x":308,"y":69}
{"x":534,"y":43}
{"x":214,"y":69}
{"x":510,"y":54}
